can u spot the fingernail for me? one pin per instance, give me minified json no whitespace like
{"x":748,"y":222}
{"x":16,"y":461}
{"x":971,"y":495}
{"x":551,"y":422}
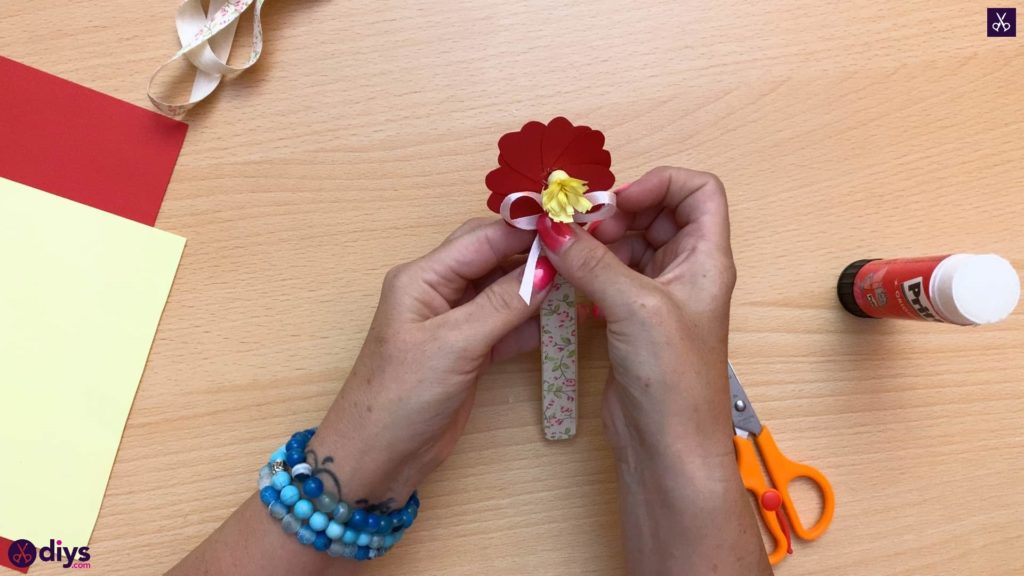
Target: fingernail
{"x":543,"y":274}
{"x":623,"y":187}
{"x":554,"y":235}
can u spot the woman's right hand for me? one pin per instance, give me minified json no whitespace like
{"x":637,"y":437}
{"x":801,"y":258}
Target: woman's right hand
{"x":664,"y":282}
{"x":666,"y":299}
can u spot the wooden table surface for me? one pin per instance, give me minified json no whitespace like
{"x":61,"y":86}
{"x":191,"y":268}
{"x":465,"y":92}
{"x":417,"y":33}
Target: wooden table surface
{"x":362,"y":137}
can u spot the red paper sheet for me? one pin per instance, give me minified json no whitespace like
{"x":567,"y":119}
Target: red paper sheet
{"x":74,"y":142}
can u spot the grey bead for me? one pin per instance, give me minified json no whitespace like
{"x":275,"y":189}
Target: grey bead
{"x":377,"y":541}
{"x":336,"y":548}
{"x":290,"y":524}
{"x":342,"y":512}
{"x":326,"y":502}
{"x":278,"y":510}
{"x":349,"y":551}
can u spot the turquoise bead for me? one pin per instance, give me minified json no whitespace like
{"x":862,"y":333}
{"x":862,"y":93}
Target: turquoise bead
{"x":318,"y":521}
{"x":303,"y":509}
{"x":389,"y":540}
{"x":350,"y":536}
{"x":306,"y":535}
{"x":334,"y":530}
{"x":278,"y":510}
{"x":364,"y":539}
{"x":290,"y":524}
{"x":289,"y":495}
{"x":278,"y":455}
{"x":281,"y":479}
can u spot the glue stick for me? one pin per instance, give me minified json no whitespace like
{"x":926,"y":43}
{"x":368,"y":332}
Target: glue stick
{"x":963,"y":289}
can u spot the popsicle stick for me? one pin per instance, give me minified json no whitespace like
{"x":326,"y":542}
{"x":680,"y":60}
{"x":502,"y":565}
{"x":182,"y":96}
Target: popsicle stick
{"x":558,"y":360}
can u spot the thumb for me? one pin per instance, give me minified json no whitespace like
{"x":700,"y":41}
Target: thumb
{"x":498,"y":309}
{"x":590,"y":266}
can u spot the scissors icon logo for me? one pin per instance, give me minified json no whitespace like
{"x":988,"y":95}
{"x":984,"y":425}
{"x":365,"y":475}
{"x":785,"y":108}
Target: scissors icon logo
{"x":21,"y":553}
{"x":1001,"y":25}
{"x":1002,"y":21}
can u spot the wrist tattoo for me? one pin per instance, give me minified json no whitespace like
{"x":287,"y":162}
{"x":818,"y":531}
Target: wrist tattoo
{"x":320,"y":467}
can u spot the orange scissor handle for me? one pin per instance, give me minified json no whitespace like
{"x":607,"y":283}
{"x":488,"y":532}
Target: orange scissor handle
{"x":753,"y":480}
{"x":782,"y":471}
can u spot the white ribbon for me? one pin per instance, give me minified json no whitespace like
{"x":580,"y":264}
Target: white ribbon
{"x":605,"y":199}
{"x":206,"y":42}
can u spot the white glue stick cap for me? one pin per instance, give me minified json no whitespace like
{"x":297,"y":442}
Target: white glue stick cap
{"x":970,"y":289}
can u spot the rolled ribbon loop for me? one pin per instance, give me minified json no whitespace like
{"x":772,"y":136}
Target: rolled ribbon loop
{"x":604,"y":200}
{"x":206,"y":42}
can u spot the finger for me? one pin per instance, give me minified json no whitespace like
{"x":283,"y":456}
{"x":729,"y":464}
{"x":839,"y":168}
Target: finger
{"x":498,"y":309}
{"x":468,"y":226}
{"x":621,"y":222}
{"x":631,"y":250}
{"x":590,"y":266}
{"x":522,"y":338}
{"x":662,"y":229}
{"x":696,"y":199}
{"x":469,"y":255}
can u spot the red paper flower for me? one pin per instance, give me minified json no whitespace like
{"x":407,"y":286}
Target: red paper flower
{"x":527,"y":157}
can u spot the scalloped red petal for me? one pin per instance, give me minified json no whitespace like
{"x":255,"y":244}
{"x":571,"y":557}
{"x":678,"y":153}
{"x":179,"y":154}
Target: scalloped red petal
{"x":527,"y":157}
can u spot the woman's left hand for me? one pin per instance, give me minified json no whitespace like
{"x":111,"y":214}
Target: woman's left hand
{"x":440,"y":321}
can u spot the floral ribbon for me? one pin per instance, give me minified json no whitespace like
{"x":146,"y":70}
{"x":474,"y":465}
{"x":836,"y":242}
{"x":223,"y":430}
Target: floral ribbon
{"x":605,"y":199}
{"x":206,"y":42}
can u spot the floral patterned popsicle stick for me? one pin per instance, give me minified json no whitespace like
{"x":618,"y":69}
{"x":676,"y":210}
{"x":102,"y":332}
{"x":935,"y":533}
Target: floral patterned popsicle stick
{"x":558,"y":360}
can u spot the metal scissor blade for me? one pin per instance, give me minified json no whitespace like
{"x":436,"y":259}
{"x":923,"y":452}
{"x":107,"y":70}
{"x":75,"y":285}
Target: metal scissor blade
{"x":743,"y":415}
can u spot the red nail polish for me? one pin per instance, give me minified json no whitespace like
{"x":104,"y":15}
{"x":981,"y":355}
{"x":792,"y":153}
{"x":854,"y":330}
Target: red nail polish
{"x":543,"y":274}
{"x":623,"y":187}
{"x":554,"y":235}
{"x":595,"y":311}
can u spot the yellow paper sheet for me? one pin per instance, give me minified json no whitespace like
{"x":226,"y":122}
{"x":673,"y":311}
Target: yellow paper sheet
{"x":81,"y":293}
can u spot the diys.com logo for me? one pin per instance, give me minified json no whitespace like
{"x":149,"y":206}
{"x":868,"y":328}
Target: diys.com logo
{"x":23,"y":553}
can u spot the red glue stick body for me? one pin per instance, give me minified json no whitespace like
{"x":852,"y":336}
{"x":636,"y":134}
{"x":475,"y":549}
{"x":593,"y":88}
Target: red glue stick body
{"x":963,"y":289}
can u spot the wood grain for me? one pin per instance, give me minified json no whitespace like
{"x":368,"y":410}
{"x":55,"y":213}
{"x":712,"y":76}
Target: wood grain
{"x":842,"y":131}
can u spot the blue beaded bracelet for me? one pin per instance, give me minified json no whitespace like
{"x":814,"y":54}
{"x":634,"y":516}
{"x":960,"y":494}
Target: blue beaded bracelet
{"x":293,"y":494}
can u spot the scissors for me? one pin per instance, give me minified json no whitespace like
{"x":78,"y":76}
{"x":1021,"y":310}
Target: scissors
{"x":753,"y":437}
{"x":1005,"y":26}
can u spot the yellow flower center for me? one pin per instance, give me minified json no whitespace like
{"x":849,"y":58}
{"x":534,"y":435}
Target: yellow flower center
{"x":564,"y":197}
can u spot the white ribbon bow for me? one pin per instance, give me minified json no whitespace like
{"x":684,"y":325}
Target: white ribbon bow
{"x":206,"y":42}
{"x":605,"y":199}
